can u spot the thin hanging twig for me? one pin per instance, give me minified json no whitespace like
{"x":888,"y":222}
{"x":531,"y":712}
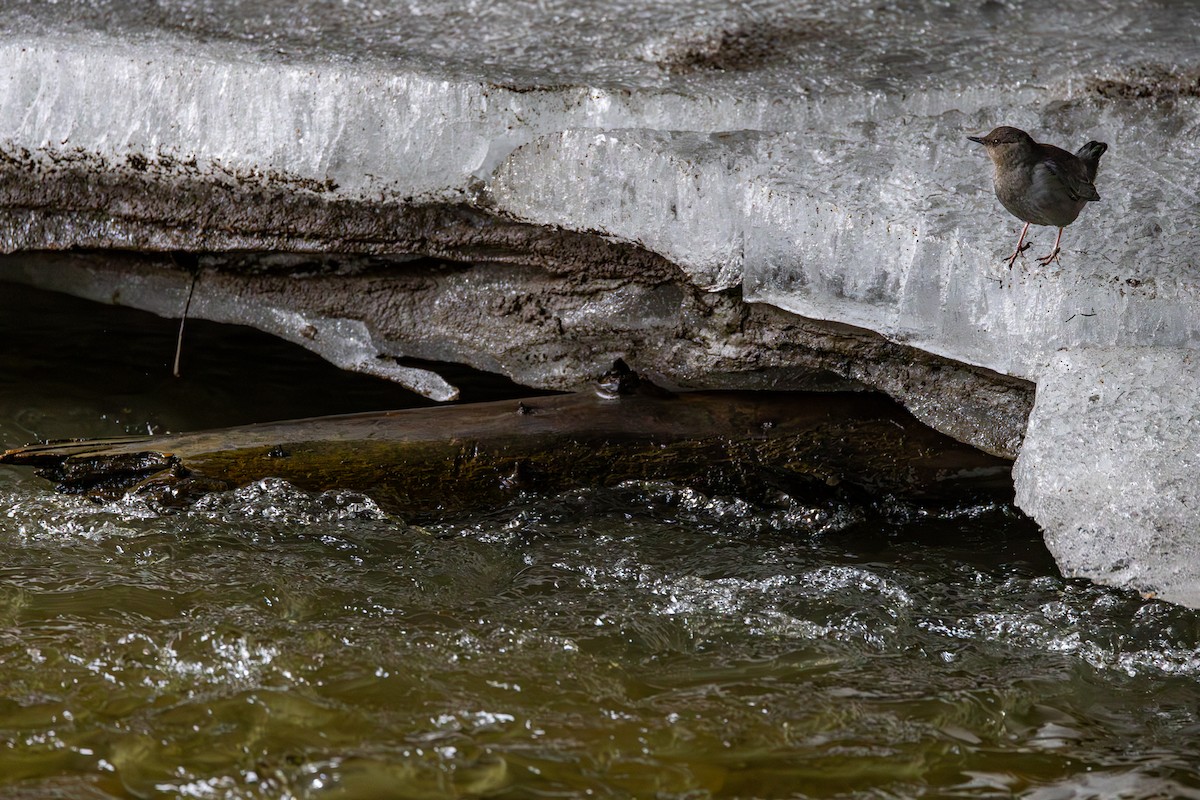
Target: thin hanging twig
{"x":183,"y":321}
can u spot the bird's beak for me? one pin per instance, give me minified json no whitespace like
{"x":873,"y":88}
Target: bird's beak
{"x":977,"y":139}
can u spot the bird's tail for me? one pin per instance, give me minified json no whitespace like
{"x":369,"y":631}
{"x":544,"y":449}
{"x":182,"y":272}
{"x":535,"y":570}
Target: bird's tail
{"x":1090,"y":154}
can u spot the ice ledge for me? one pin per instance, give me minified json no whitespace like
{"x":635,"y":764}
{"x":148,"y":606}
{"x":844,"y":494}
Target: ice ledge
{"x":1110,"y":465}
{"x":895,"y":231}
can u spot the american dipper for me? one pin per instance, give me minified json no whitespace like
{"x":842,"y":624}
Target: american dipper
{"x":1040,"y":183}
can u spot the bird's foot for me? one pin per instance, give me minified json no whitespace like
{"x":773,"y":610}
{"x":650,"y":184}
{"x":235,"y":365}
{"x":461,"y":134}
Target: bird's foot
{"x":1045,"y":261}
{"x":1020,"y":251}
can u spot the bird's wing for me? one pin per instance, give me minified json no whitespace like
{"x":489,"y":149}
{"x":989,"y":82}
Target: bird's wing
{"x":1074,"y":175}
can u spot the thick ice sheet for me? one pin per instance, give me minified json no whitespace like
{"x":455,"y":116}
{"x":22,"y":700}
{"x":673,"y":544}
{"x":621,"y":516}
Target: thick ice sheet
{"x":896,"y":230}
{"x":1109,"y":467}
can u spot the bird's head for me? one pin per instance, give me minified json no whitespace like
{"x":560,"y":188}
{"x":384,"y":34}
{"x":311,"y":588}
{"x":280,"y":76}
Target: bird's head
{"x":1005,"y":143}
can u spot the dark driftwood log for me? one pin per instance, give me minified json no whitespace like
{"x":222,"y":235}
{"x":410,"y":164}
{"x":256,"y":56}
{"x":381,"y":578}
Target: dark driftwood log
{"x":436,"y":460}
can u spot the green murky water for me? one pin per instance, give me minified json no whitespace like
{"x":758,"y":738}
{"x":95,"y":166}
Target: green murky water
{"x":642,"y":641}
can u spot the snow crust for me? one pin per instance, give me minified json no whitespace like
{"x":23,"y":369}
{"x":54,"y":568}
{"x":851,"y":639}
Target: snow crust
{"x":811,"y":156}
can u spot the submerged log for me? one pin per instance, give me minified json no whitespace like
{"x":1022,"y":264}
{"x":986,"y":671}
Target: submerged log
{"x":428,"y":461}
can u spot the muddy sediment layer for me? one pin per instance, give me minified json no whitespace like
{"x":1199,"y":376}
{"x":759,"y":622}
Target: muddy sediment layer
{"x":449,"y":282}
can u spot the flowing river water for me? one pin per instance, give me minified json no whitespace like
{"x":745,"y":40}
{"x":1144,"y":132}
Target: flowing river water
{"x":639,"y":641}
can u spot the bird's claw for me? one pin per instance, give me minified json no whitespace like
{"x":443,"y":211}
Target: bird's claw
{"x":1020,"y":251}
{"x":1046,"y":261}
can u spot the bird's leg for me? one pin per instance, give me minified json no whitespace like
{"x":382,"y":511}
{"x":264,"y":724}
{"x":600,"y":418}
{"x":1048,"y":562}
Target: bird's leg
{"x":1045,"y":260}
{"x":1019,"y":249}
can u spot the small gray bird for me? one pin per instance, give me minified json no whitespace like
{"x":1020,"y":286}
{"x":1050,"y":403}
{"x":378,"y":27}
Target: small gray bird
{"x":1040,"y":183}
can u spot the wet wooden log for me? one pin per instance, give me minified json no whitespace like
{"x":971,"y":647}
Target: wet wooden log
{"x":430,"y":461}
